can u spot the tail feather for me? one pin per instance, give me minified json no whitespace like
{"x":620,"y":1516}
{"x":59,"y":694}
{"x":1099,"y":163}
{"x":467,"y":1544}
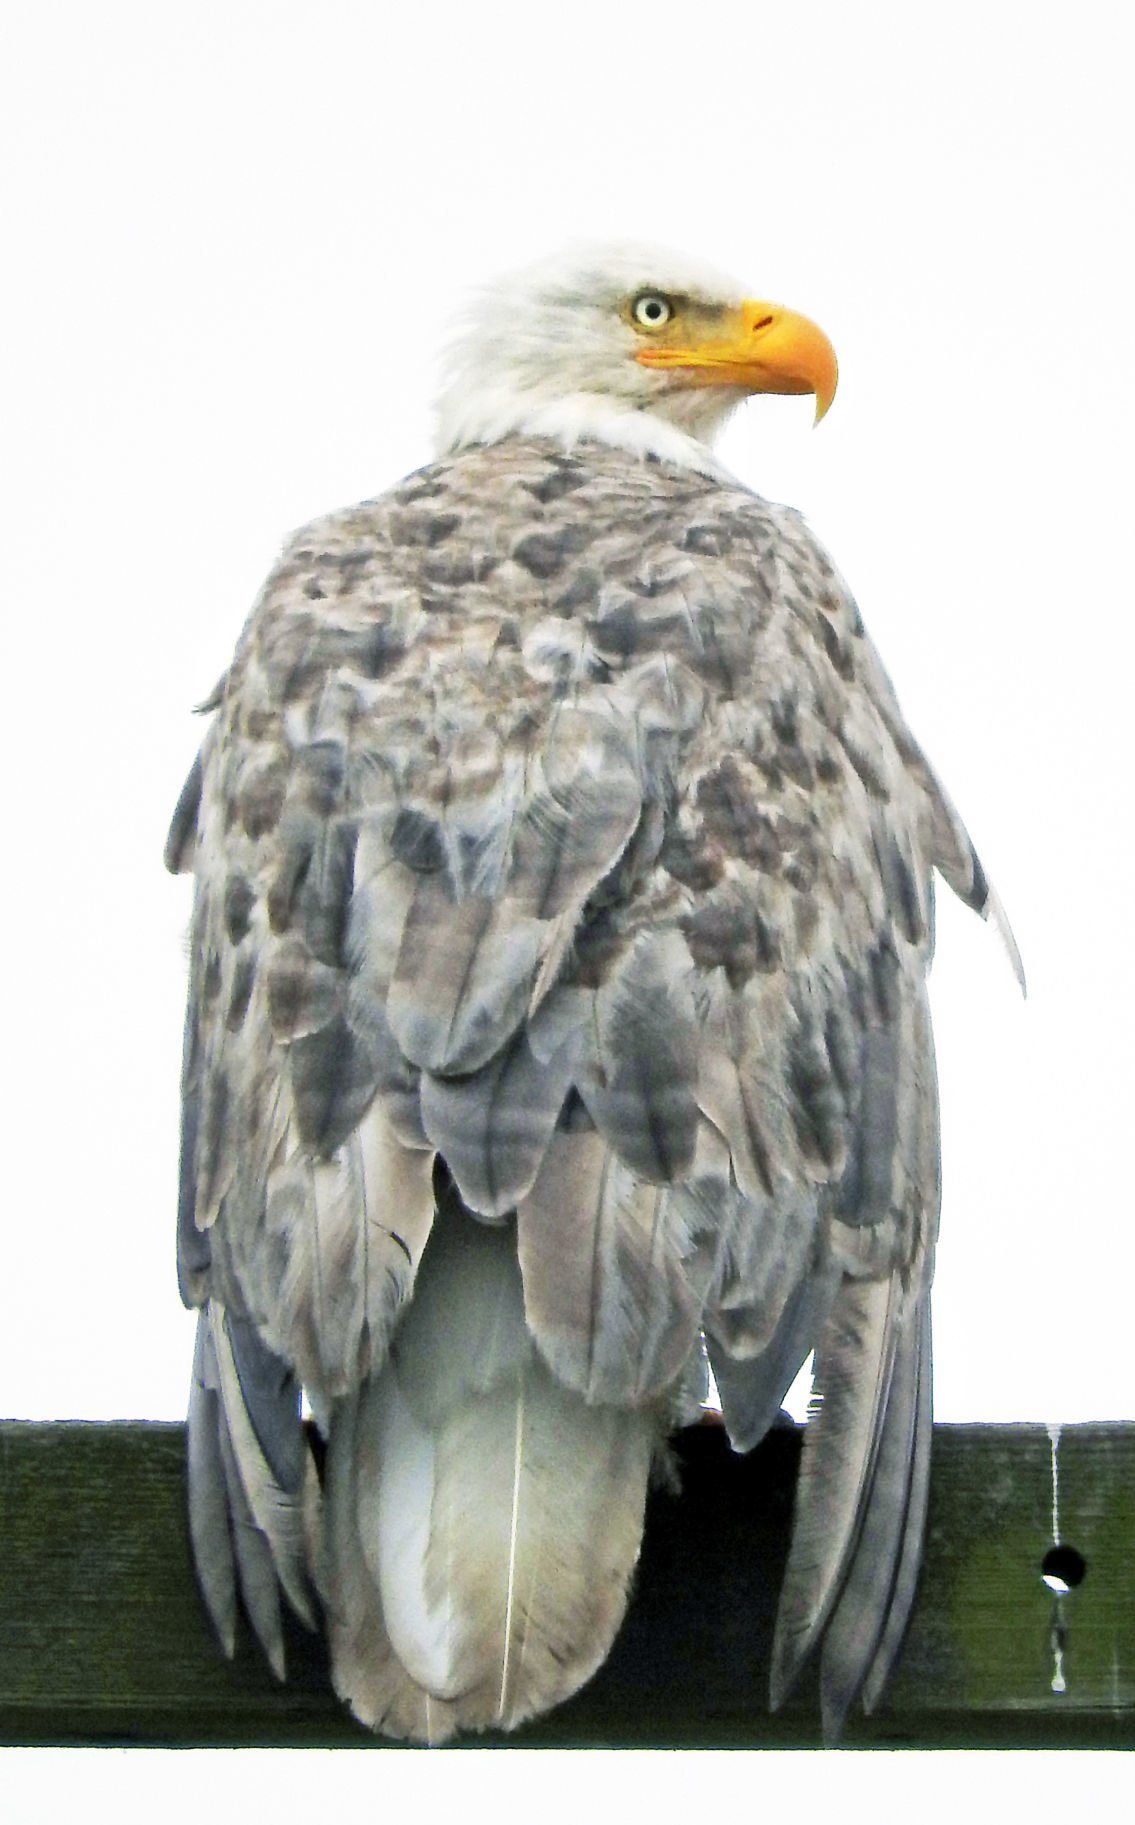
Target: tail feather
{"x":485,"y":1521}
{"x":366,"y":1672}
{"x":546,"y":1541}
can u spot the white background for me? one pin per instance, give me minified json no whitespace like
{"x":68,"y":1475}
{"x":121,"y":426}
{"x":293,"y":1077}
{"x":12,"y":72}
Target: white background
{"x":234,"y":236}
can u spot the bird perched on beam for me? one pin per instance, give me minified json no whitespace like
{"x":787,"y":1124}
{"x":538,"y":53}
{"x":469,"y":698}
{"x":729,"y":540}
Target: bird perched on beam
{"x":557,"y":1018}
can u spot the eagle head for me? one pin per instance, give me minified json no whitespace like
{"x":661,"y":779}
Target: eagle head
{"x":632,"y":346}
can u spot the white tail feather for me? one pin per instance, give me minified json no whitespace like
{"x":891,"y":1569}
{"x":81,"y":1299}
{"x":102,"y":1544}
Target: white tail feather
{"x":497,"y":1525}
{"x":513,"y":1535}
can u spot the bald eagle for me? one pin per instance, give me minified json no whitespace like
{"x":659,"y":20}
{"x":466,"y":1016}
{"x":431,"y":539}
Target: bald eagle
{"x":557,"y":1021}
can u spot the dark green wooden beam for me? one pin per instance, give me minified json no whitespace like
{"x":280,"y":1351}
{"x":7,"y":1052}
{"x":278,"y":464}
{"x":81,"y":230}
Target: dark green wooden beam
{"x":102,"y":1638}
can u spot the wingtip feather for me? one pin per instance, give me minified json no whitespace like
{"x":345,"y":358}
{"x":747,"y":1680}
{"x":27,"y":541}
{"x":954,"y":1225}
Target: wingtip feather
{"x":994,"y":914}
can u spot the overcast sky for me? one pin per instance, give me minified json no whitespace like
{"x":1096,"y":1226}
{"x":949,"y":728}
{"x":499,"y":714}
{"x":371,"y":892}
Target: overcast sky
{"x":238,"y":236}
{"x":238,"y":231}
{"x":234,"y":235}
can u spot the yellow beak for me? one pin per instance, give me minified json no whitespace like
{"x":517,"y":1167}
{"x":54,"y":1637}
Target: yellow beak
{"x":764,"y":349}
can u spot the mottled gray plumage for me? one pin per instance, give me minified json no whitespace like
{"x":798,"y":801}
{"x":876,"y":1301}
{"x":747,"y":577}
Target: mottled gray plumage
{"x":557,"y":1001}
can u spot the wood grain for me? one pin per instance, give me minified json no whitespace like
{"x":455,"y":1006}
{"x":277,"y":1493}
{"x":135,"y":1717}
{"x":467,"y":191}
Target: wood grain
{"x":103,"y":1640}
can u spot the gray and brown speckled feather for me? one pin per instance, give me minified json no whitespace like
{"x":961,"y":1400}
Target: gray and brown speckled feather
{"x":562,"y":857}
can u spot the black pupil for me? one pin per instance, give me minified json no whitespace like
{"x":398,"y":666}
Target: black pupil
{"x":653,"y":309}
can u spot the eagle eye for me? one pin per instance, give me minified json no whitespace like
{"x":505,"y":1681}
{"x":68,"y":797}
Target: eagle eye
{"x":651,"y":310}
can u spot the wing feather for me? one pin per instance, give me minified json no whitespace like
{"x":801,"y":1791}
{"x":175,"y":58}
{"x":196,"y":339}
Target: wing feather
{"x":639,"y":1075}
{"x":910,"y":1557}
{"x":209,"y":1526}
{"x":615,"y":1270}
{"x":752,"y":1387}
{"x":275,"y":1509}
{"x":493,"y":1126}
{"x":858,"y":1617}
{"x":855,"y":1362}
{"x":347,"y":1234}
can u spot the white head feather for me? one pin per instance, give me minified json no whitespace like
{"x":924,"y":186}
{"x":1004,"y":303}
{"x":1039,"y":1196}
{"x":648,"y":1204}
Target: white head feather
{"x":548,"y":352}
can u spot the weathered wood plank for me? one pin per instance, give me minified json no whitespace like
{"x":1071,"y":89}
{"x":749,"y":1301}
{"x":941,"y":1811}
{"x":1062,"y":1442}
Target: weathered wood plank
{"x":102,"y":1638}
